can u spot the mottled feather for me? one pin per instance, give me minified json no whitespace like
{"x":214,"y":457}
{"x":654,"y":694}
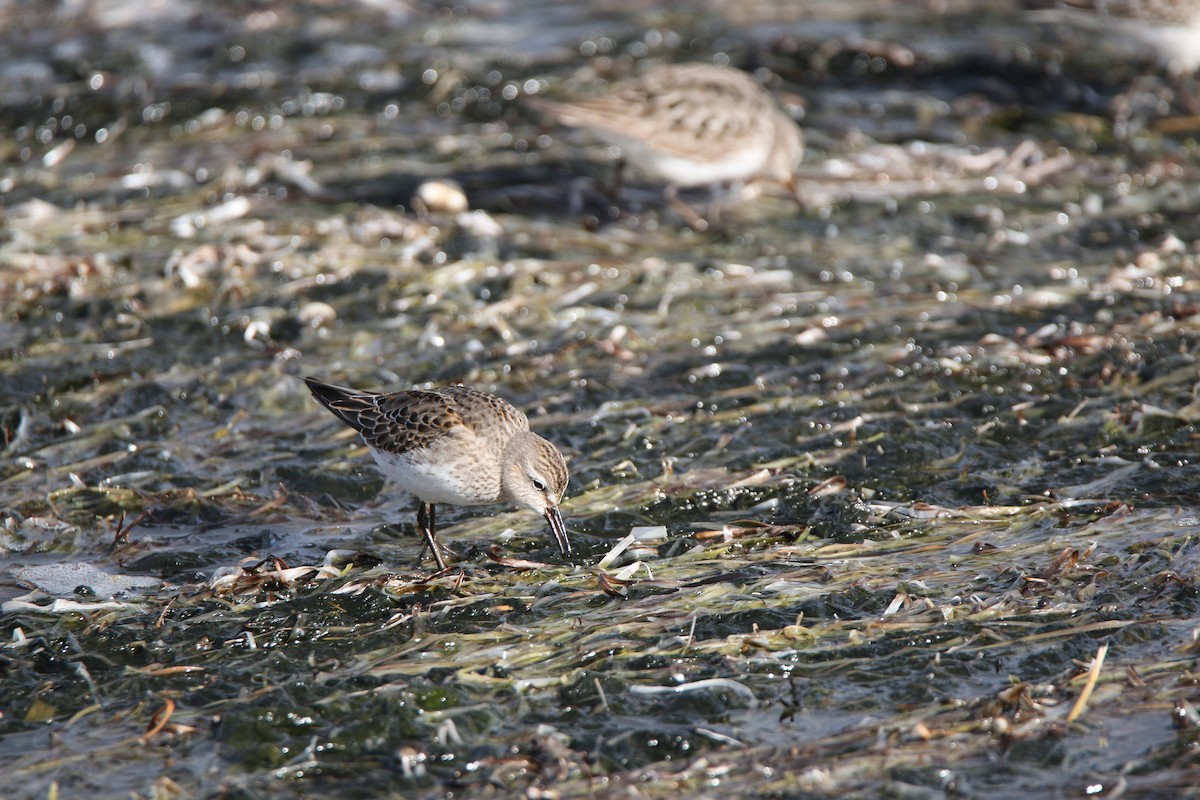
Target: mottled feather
{"x":454,"y":445}
{"x":404,"y":421}
{"x":691,"y":124}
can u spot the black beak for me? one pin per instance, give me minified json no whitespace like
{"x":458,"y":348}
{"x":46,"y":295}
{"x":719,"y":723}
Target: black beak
{"x":560,"y":530}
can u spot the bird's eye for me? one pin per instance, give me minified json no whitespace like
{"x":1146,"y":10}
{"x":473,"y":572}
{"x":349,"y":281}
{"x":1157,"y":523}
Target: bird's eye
{"x":541,"y":487}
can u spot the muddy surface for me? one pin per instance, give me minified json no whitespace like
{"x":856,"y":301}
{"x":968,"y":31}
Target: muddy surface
{"x":893,"y":495}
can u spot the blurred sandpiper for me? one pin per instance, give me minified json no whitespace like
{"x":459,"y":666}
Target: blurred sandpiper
{"x":454,"y":445}
{"x":691,"y":125}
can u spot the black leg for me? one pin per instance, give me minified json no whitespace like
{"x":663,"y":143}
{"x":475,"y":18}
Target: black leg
{"x":693,"y":220}
{"x":618,"y":183}
{"x":428,"y":528}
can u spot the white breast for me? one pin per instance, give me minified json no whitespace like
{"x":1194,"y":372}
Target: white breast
{"x":438,"y":481}
{"x":742,"y":162}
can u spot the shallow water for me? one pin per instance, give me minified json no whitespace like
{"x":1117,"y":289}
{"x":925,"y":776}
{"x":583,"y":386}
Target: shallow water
{"x":917,"y":452}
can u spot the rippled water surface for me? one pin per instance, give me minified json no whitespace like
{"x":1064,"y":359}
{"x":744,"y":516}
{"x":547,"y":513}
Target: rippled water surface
{"x":893,"y":495}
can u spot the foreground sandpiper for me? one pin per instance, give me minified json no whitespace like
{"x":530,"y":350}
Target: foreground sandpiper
{"x":691,"y":125}
{"x":454,"y":445}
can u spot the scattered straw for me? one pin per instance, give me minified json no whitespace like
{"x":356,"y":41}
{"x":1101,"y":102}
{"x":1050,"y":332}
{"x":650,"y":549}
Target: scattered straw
{"x":1093,"y":676}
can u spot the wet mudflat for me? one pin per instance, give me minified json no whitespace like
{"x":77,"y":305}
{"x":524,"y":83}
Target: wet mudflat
{"x":893,"y":496}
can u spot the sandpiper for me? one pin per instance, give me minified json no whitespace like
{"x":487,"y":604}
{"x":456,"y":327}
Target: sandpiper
{"x":454,"y":445}
{"x":692,"y":124}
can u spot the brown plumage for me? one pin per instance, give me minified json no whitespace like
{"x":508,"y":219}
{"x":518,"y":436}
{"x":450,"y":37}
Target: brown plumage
{"x":692,"y":124}
{"x":454,"y":445}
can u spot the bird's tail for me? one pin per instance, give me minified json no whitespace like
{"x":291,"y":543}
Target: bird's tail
{"x":345,"y":403}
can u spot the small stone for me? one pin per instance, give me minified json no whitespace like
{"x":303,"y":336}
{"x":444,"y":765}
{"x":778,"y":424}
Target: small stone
{"x":316,"y":315}
{"x":440,"y":196}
